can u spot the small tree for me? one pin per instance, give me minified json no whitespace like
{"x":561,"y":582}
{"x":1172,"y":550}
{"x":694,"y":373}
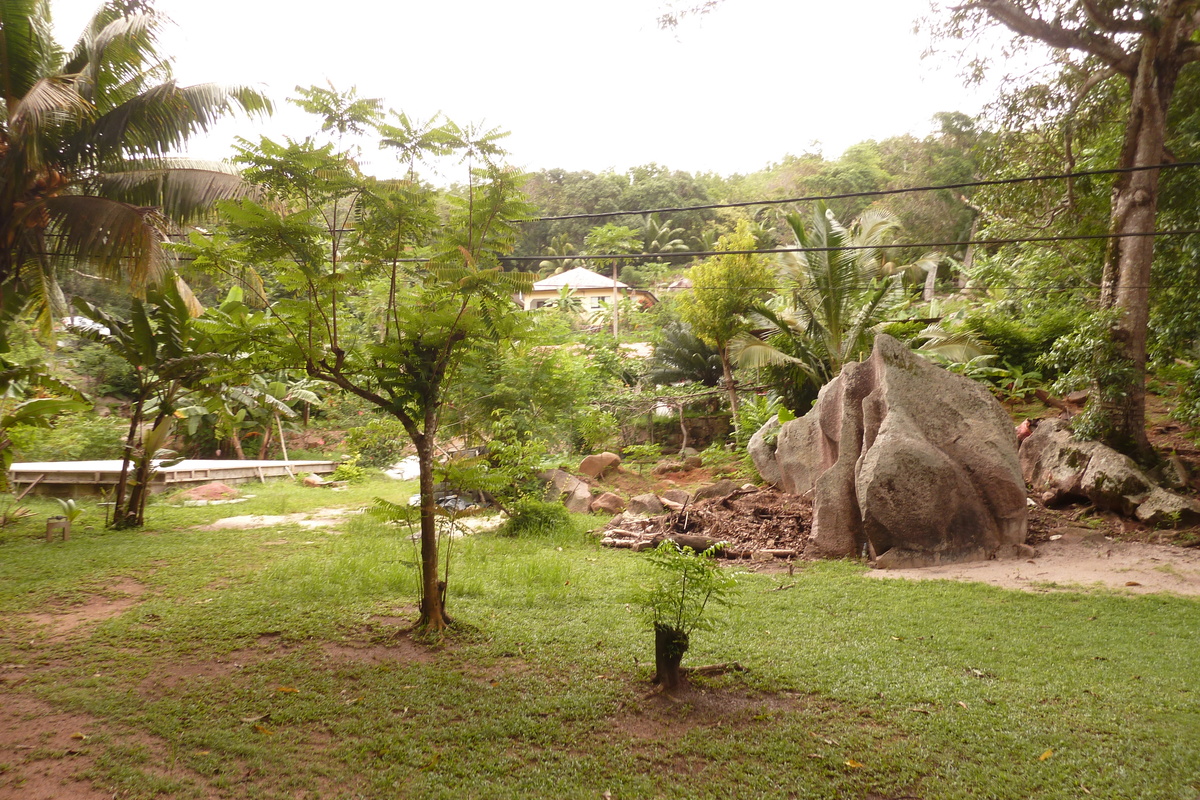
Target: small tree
{"x":688,"y":583}
{"x":384,"y":298}
{"x":725,"y":289}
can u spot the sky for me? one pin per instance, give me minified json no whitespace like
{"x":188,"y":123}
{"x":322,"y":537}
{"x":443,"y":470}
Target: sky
{"x":580,"y":85}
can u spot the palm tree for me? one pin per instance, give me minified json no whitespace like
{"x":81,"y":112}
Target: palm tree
{"x":833,"y":294}
{"x":86,"y":137}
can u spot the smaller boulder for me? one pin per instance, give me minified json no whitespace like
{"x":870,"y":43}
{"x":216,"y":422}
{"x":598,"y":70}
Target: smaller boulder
{"x":608,"y":503}
{"x":1163,"y":508}
{"x":599,"y":464}
{"x":762,"y":451}
{"x":676,"y":496}
{"x":210,"y":491}
{"x":578,"y":500}
{"x":716,"y":490}
{"x":647,"y":505}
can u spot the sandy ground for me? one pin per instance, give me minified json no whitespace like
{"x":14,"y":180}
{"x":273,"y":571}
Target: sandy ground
{"x":1082,"y":560}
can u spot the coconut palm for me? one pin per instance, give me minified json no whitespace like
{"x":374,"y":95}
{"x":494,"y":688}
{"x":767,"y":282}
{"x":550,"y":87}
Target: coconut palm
{"x":833,"y":294}
{"x":86,"y":137}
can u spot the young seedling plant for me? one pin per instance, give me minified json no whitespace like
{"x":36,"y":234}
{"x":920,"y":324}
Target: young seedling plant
{"x":688,"y":583}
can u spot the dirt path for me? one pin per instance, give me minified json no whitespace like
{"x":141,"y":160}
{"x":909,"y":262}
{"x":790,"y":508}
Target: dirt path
{"x":1079,"y":562}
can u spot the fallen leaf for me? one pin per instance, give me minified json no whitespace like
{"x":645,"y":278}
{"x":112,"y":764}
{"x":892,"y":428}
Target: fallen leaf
{"x":1045,"y":755}
{"x":204,"y":752}
{"x":920,"y":710}
{"x":898,"y":638}
{"x":78,"y":736}
{"x":258,"y":718}
{"x":286,"y":689}
{"x":961,"y":703}
{"x":1132,"y":583}
{"x":352,"y":701}
{"x":428,"y":766}
{"x":264,"y":730}
{"x":853,"y":763}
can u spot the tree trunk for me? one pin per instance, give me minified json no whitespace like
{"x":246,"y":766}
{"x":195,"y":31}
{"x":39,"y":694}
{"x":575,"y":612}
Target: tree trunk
{"x":683,"y":428}
{"x":727,"y":370}
{"x":433,"y":597}
{"x":135,"y":424}
{"x":135,"y":516}
{"x":237,"y":446}
{"x":1125,"y":284}
{"x":669,"y":646}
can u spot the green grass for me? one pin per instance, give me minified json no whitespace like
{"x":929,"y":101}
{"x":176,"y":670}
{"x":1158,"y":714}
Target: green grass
{"x":937,"y":689}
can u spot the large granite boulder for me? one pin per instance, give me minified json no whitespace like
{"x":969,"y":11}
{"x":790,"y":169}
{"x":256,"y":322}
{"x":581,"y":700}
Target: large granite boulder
{"x":911,"y":463}
{"x":599,"y":464}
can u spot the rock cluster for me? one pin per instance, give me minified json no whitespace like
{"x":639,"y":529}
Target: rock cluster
{"x":913,"y":464}
{"x":1059,"y":468}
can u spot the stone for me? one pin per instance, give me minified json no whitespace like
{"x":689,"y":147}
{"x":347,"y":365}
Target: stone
{"x":646,"y":505}
{"x":599,"y":464}
{"x":689,"y":452}
{"x":575,"y":495}
{"x":1163,"y":508}
{"x":608,"y":503}
{"x":716,"y":490}
{"x":578,"y":500}
{"x":762,"y":451}
{"x":1062,"y":469}
{"x":676,"y":496}
{"x":313,"y":480}
{"x":911,"y":463}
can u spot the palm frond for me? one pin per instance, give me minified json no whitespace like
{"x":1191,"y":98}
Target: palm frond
{"x":27,"y":48}
{"x":181,"y":190}
{"x":118,"y":239}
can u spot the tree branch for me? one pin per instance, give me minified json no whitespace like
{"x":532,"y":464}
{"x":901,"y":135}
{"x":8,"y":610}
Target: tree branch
{"x":1106,"y":21}
{"x":1019,"y":21}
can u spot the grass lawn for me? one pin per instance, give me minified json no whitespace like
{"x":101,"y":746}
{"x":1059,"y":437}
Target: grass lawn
{"x":274,"y":662}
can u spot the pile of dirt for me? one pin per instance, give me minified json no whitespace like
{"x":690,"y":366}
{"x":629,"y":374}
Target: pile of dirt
{"x":748,"y":521}
{"x":209,"y":491}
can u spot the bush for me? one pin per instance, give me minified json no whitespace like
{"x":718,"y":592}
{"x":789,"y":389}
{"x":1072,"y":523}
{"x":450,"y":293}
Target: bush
{"x":349,"y":470}
{"x":377,"y":444}
{"x":74,"y":437}
{"x":533,"y":517}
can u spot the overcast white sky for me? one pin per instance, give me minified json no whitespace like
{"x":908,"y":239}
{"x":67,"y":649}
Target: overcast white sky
{"x":581,"y":85}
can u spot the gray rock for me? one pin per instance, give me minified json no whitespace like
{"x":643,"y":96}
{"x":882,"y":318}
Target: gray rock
{"x":676,"y":496}
{"x":714,"y":490}
{"x":647,"y":505}
{"x":762,"y":451}
{"x":578,"y":499}
{"x":913,"y":463}
{"x":1060,"y":468}
{"x":1167,"y":508}
{"x":574,"y":493}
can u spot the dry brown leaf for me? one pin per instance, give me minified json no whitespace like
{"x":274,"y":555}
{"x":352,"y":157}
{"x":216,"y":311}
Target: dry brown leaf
{"x":258,"y":718}
{"x":961,"y":703}
{"x":264,"y":730}
{"x":78,"y":736}
{"x":853,"y":764}
{"x":1132,"y":583}
{"x":1045,"y":755}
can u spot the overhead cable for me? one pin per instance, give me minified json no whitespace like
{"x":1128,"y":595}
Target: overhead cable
{"x":869,"y":193}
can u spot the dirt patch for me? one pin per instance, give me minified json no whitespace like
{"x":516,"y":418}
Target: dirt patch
{"x":660,"y":716}
{"x":323,"y":518}
{"x":118,"y":598}
{"x":1133,"y":567}
{"x":45,"y":752}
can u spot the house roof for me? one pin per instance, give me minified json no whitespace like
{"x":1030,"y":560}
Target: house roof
{"x":578,"y":278}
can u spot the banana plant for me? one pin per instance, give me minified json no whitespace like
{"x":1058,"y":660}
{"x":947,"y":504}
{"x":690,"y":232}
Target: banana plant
{"x":158,"y":342}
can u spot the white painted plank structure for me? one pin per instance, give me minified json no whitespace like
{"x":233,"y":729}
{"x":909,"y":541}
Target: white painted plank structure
{"x":93,"y":478}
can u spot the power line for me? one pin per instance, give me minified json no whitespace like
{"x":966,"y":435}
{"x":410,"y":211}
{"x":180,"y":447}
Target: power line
{"x":979,"y":242}
{"x":870,"y":193}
